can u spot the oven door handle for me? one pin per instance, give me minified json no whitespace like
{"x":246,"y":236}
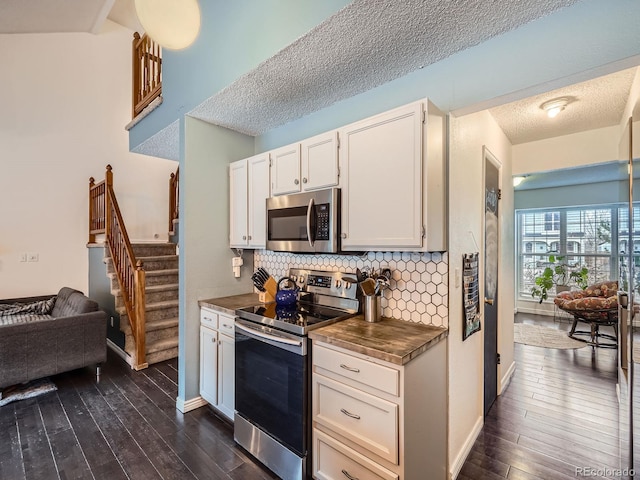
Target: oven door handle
{"x":266,"y":336}
{"x":310,"y":234}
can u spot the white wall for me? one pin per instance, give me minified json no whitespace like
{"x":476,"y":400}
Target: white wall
{"x":65,"y":99}
{"x":566,"y":151}
{"x":468,"y":134}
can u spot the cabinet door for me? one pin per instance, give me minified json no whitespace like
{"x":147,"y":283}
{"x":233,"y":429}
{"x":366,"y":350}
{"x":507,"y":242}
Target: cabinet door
{"x":226,"y":375}
{"x":258,"y":170}
{"x":285,"y":170}
{"x":382,"y":181}
{"x":320,"y":161}
{"x":209,"y":365}
{"x":238,"y":204}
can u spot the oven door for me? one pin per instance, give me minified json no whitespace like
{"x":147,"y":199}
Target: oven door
{"x":271,"y":383}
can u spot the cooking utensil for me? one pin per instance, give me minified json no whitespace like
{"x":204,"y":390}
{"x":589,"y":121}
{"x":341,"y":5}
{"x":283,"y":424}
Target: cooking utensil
{"x":349,"y":279}
{"x":359,"y":275}
{"x":368,"y":286}
{"x":381,"y":284}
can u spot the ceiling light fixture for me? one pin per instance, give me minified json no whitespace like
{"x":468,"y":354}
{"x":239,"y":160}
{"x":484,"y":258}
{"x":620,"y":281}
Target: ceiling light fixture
{"x":518,"y":180}
{"x":174,"y":24}
{"x":555,"y":106}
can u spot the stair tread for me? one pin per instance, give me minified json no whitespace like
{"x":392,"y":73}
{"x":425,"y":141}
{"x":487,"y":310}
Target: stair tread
{"x":171,"y":322}
{"x":146,"y":244}
{"x":168,"y":271}
{"x":157,"y":257}
{"x":153,"y":306}
{"x":164,"y":344}
{"x":162,"y":287}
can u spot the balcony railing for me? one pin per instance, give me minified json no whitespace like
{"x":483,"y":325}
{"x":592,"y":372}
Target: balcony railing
{"x":146,"y":71}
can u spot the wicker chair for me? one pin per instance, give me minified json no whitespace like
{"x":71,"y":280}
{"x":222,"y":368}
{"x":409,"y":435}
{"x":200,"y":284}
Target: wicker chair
{"x":597,"y":305}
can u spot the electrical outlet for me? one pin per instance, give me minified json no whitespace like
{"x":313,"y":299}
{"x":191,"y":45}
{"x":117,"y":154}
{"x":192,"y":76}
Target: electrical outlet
{"x":32,"y":257}
{"x":23,"y":257}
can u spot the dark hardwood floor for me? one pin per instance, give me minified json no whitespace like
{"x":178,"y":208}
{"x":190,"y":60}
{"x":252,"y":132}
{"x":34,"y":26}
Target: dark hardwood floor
{"x":558,"y":415}
{"x":125,"y":426}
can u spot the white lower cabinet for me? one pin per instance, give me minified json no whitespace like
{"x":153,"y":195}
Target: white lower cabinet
{"x":226,"y":363}
{"x":217,"y":360}
{"x":209,"y":364}
{"x":377,"y":420}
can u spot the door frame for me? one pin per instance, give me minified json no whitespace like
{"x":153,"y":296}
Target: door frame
{"x":487,"y":155}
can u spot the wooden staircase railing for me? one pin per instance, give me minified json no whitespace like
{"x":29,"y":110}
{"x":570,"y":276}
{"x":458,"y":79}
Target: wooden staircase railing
{"x":146,"y":72}
{"x":174,"y":185}
{"x":105,"y":218}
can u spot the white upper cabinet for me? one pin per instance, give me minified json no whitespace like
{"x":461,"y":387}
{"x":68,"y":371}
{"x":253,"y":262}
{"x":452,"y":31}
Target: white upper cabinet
{"x":285,"y":170}
{"x":320,"y":161}
{"x":393,"y":181}
{"x":258,"y":171}
{"x":309,"y":165}
{"x":382,"y":165}
{"x":248,"y":191}
{"x":239,"y":206}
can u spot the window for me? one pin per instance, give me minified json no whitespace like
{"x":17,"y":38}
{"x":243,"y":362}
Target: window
{"x":552,"y":221}
{"x":583,"y":235}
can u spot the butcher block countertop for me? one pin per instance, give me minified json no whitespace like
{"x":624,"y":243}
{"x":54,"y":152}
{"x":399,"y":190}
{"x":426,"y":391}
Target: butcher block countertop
{"x":391,"y":340}
{"x":229,"y":305}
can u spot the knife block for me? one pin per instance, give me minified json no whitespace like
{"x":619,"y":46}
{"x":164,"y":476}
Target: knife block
{"x":265,"y":297}
{"x":269,"y":295}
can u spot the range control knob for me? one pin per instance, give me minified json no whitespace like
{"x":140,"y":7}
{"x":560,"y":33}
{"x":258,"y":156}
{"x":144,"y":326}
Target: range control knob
{"x":301,"y":279}
{"x":347,"y":285}
{"x":338,"y":283}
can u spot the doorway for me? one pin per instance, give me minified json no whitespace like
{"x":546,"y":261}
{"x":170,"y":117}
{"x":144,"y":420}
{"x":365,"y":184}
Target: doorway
{"x":491,"y":168}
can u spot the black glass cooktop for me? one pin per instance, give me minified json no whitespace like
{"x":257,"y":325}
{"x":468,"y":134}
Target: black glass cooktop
{"x":298,"y":318}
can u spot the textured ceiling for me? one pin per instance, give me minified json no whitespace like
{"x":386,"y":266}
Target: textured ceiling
{"x":366,"y":44}
{"x":592,"y":104}
{"x":58,"y":16}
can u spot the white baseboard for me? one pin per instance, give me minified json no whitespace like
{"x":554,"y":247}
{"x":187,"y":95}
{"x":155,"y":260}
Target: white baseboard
{"x":506,"y":378}
{"x":466,"y":448}
{"x":185,"y":406}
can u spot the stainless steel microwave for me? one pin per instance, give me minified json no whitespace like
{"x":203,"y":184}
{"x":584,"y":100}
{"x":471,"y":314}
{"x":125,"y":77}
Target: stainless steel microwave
{"x":304,"y":222}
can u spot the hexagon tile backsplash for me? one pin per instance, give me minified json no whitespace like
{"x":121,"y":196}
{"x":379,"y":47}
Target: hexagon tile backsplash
{"x":419,"y":287}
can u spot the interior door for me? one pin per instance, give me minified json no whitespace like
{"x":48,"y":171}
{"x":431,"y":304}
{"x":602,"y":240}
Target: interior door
{"x":491,"y":249}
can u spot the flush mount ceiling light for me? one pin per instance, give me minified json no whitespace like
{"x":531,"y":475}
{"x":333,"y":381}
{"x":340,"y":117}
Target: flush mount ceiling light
{"x":555,"y":106}
{"x":518,"y":180}
{"x":174,"y":24}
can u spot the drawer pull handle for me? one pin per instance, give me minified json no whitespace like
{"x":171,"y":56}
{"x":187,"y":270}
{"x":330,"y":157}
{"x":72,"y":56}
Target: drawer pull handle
{"x":350,"y":477}
{"x":227,"y":326}
{"x":351,"y":369}
{"x":349,"y":414}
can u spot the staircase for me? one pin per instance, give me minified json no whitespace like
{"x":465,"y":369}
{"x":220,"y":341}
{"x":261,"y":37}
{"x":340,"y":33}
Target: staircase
{"x":160,"y":263}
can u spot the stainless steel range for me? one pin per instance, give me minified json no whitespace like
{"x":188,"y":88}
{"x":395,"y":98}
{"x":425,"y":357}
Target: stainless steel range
{"x":273,"y":369}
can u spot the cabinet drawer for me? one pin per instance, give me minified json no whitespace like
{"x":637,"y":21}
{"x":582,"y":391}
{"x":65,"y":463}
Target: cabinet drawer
{"x":333,"y":460}
{"x":226,"y":324}
{"x":362,"y":418}
{"x":376,"y":376}
{"x":208,"y":318}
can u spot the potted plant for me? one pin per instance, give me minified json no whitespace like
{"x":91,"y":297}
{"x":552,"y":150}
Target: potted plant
{"x":560,"y":274}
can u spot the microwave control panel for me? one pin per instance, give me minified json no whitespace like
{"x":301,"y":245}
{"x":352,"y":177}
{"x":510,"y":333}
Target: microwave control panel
{"x":322,"y":221}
